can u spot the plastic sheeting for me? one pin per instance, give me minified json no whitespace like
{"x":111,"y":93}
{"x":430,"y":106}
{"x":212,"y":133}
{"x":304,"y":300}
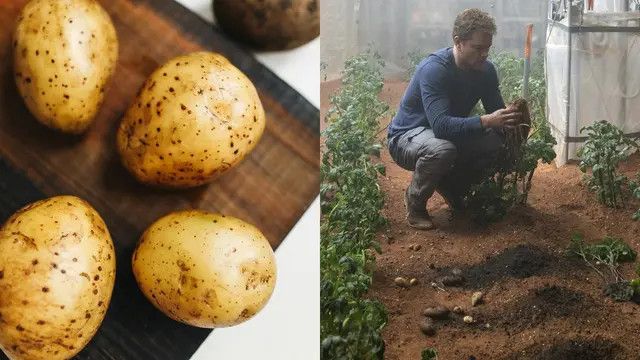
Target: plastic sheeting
{"x":394,"y":28}
{"x":603,"y":84}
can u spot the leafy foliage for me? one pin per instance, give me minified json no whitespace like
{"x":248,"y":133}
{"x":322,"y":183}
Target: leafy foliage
{"x":429,"y":354}
{"x":609,"y":253}
{"x":606,"y":147}
{"x":351,"y":201}
{"x":509,"y":184}
{"x":414,"y":57}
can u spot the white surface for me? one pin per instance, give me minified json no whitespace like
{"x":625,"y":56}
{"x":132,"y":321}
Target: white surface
{"x":601,"y":84}
{"x":288,"y":328}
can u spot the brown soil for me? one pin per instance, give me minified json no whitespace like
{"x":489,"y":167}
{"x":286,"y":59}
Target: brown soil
{"x":538,"y":304}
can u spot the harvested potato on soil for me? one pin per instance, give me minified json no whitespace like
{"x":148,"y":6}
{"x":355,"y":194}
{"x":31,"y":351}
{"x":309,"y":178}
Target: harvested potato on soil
{"x":204,"y":269}
{"x":194,"y":118}
{"x":477,"y":298}
{"x":57,"y":270}
{"x":468,"y":319}
{"x":438,"y":312}
{"x":269,"y":24}
{"x":401,"y":282}
{"x":64,"y":53}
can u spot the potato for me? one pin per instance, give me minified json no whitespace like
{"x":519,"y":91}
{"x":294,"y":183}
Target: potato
{"x":57,"y":270}
{"x":195,"y":117}
{"x":204,"y":269}
{"x":269,"y":24}
{"x":65,"y":52}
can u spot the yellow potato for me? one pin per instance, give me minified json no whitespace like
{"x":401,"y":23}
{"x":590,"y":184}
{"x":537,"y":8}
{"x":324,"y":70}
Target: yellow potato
{"x":65,"y":52}
{"x":57,"y":270}
{"x":205,"y":269}
{"x":195,"y":117}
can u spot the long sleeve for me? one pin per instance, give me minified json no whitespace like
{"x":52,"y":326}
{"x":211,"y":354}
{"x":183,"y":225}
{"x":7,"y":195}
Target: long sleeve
{"x":436,"y":102}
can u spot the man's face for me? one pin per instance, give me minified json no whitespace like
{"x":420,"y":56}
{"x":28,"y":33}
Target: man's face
{"x":474,"y":51}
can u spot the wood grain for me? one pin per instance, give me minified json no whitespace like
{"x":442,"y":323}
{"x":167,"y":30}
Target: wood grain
{"x":271,"y":188}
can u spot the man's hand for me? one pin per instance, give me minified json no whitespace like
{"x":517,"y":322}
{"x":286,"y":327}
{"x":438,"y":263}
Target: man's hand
{"x":501,"y":118}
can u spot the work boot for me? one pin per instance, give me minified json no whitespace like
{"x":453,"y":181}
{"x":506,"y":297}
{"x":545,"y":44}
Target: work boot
{"x":417,"y":218}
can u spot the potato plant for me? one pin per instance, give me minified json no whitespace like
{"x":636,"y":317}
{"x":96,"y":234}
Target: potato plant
{"x":414,"y":57}
{"x":609,"y":253}
{"x":429,"y":354}
{"x":606,"y":147}
{"x":509,"y":182}
{"x":351,"y":201}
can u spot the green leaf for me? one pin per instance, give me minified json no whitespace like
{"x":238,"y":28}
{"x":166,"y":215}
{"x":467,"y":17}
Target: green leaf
{"x":429,"y":354}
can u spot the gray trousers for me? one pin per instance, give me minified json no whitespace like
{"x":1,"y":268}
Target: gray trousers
{"x":442,"y":165}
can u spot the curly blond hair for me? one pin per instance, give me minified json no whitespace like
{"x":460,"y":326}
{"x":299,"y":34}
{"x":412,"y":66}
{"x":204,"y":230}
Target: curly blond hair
{"x":472,"y":20}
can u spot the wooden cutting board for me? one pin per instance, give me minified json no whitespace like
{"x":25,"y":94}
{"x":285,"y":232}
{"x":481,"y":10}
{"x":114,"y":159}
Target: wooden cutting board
{"x":271,"y":188}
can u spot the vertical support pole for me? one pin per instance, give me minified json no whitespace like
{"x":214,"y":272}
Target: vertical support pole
{"x":568,"y":107}
{"x":527,"y":62}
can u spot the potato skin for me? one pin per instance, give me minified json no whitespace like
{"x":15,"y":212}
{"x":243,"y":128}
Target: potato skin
{"x":194,"y":118}
{"x":64,"y":52}
{"x":204,"y":269}
{"x":57,"y":271}
{"x":269,"y":24}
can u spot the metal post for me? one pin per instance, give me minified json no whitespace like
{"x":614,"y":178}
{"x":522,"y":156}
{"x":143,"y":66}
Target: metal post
{"x":568,"y":117}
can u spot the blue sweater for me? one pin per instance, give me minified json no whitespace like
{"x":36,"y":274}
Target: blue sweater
{"x":440,"y":96}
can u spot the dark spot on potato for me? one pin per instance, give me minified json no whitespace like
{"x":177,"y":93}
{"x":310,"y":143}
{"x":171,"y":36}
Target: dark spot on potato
{"x":171,"y":89}
{"x":99,"y":268}
{"x":95,"y":291}
{"x":176,"y":78}
{"x":183,"y":107}
{"x":34,"y":262}
{"x":100,"y":303}
{"x":75,"y":259}
{"x":25,"y":302}
{"x":28,"y":80}
{"x":45,"y":289}
{"x":65,"y":96}
{"x":1,"y":274}
{"x":96,"y":278}
{"x":63,"y":271}
{"x":19,"y":328}
{"x":41,"y":322}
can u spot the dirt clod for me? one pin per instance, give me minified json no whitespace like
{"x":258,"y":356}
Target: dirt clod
{"x":451,"y":280}
{"x":427,"y":327}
